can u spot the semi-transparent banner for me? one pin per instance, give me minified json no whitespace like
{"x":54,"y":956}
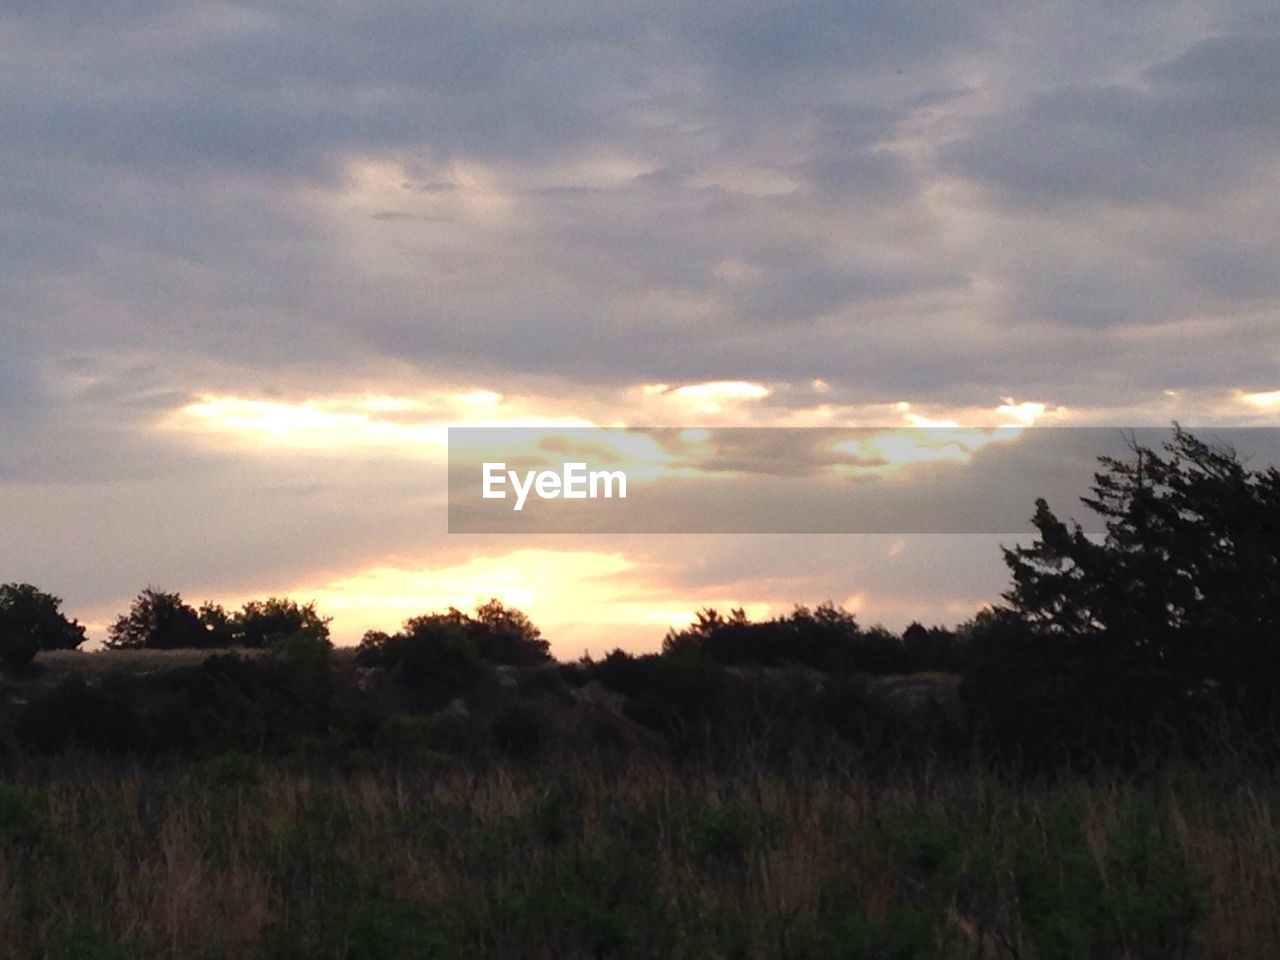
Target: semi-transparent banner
{"x":785,"y":480}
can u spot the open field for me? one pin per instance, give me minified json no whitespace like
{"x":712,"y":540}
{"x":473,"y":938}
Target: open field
{"x":231,"y":859}
{"x":88,"y":663}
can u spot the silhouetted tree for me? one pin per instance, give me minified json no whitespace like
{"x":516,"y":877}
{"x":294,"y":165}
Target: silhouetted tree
{"x":264,"y":623}
{"x":1188,"y":575}
{"x":502,"y":634}
{"x":160,"y":621}
{"x":707,"y":622}
{"x":30,"y":621}
{"x":932,"y":648}
{"x":826,"y":637}
{"x":218,"y":623}
{"x":1176,"y":606}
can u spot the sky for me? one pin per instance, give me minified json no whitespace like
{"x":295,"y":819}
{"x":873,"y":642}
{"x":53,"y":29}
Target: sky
{"x":255,"y":257}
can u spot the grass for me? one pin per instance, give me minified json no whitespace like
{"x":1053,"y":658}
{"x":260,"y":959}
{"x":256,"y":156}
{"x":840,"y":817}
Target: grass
{"x":230,"y":858}
{"x":86,"y":663}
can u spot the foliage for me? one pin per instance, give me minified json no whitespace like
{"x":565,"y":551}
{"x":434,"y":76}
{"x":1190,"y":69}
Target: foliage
{"x":238,"y":858}
{"x":224,"y":703}
{"x":160,"y":621}
{"x":814,"y":638}
{"x":1108,"y":646}
{"x":76,"y":715}
{"x":826,"y":637}
{"x":431,"y":660}
{"x":30,"y":621}
{"x":264,"y":623}
{"x":520,"y":731}
{"x":932,"y":648}
{"x":502,"y":635}
{"x":163,"y":621}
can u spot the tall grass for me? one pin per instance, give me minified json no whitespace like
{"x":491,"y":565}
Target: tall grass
{"x":233,"y":859}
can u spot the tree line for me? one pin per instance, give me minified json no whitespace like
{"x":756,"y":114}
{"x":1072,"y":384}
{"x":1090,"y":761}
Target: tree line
{"x":1134,"y":642}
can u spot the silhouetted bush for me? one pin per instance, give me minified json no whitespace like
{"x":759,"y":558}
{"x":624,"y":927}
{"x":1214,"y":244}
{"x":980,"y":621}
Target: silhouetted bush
{"x":771,"y":715}
{"x":266,"y":705}
{"x":431,"y":660}
{"x":932,"y":648}
{"x":501,"y":635}
{"x":826,"y":638}
{"x":1043,"y":701}
{"x":521,"y":731}
{"x":74,"y":714}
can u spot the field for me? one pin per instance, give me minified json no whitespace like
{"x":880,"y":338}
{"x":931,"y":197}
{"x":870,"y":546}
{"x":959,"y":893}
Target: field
{"x":62,"y":663}
{"x":230,"y":858}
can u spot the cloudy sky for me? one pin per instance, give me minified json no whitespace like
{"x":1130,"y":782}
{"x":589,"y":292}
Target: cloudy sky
{"x":253,"y":258}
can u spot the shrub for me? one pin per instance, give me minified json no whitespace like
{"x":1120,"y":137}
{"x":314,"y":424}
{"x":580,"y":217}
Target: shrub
{"x":432,"y":660}
{"x":74,"y":714}
{"x":826,"y":637}
{"x":501,"y":635}
{"x":520,"y":731}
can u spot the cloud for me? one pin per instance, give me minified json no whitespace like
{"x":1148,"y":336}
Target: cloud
{"x":226,"y":227}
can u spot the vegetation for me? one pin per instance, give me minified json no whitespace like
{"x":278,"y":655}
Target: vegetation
{"x":1086,"y":770}
{"x":160,"y":621}
{"x":826,"y":638}
{"x":231,"y":858}
{"x":31,"y":621}
{"x":164,"y":621}
{"x":1142,"y":642}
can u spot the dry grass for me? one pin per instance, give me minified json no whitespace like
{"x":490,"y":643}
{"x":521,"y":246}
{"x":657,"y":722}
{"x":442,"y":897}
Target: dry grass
{"x":87,"y":663}
{"x":230,"y":860}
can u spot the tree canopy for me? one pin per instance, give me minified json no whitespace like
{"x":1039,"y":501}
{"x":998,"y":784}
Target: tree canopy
{"x":1174,"y":610}
{"x":159,"y":621}
{"x":31,"y":621}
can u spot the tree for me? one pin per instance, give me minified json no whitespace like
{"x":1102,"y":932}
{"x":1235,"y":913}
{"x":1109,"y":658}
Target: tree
{"x":217,"y":622}
{"x":30,"y":621}
{"x":1176,"y":607}
{"x":1187,"y":577}
{"x":159,"y":621}
{"x":501,"y":634}
{"x":432,"y":659}
{"x":931,"y":648}
{"x":265,"y":623}
{"x":691,"y":641}
{"x":826,"y":637}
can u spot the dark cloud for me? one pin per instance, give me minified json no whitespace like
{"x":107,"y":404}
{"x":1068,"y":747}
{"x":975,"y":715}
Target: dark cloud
{"x":1189,"y":132}
{"x":938,"y":202}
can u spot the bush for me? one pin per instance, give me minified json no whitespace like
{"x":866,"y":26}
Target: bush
{"x":431,"y":661}
{"x":74,"y":714}
{"x":826,"y":638}
{"x":521,"y":731}
{"x":1043,"y":700}
{"x":223,"y":704}
{"x":501,"y":635}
